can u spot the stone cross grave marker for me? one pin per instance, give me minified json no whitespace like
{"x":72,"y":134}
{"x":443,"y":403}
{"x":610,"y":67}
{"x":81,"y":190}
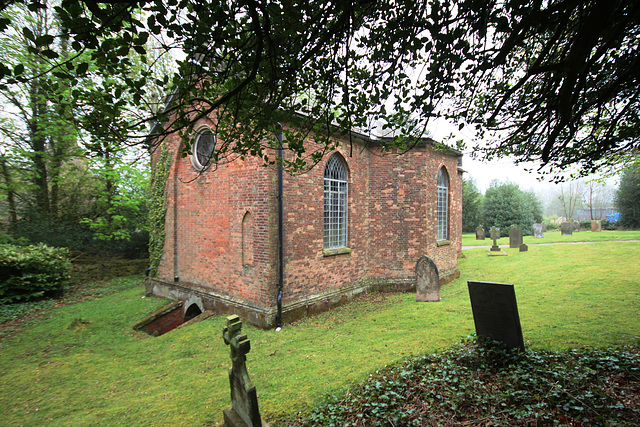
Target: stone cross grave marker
{"x":538,"y":233}
{"x":495,"y":312}
{"x":427,"y":280}
{"x":515,"y":237}
{"x":495,"y":235}
{"x":244,"y":399}
{"x":566,"y":228}
{"x":479,"y":233}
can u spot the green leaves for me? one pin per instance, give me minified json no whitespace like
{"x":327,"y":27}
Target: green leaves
{"x":28,"y":272}
{"x":529,"y":76}
{"x":481,"y":380}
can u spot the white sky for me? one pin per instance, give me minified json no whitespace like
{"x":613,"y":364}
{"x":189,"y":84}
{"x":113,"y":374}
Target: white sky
{"x":483,"y":172}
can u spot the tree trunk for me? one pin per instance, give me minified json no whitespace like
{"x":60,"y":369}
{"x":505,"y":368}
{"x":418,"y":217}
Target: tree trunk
{"x":11,"y":200}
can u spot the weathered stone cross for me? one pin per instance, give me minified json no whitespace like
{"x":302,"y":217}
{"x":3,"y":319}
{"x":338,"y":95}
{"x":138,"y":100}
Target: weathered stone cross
{"x":495,"y":232}
{"x":244,"y":399}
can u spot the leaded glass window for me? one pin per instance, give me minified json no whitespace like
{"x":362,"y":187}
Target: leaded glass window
{"x":335,"y":202}
{"x":204,"y":148}
{"x":443,"y":205}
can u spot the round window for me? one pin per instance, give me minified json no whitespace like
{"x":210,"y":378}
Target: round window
{"x":203,"y":149}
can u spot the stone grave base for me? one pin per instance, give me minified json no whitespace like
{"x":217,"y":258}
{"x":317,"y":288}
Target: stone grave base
{"x":497,"y":253}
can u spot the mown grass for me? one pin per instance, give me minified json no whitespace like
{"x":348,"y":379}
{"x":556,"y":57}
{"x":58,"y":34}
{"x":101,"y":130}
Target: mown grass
{"x":554,"y":236}
{"x":83,"y":364}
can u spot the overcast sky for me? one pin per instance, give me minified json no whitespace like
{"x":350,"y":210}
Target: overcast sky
{"x":483,"y":172}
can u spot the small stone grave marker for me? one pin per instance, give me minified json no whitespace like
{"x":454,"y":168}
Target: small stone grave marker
{"x":566,"y":229}
{"x":427,"y":280}
{"x":244,"y":410}
{"x":495,"y":312}
{"x":479,"y":233}
{"x":596,"y":225}
{"x":495,"y":249}
{"x":524,"y":248}
{"x":515,"y":237}
{"x":538,"y":231}
{"x":495,"y":235}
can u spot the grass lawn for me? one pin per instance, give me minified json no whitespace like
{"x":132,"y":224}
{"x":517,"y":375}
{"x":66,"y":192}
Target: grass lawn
{"x":469,"y":239}
{"x":83,"y":364}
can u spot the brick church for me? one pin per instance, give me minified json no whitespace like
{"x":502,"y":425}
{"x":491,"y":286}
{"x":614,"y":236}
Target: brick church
{"x":358,"y":221}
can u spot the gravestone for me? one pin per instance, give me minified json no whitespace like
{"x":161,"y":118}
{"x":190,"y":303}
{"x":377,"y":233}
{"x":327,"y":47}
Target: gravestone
{"x":479,"y":233}
{"x":524,"y":248}
{"x":495,"y":312}
{"x":596,"y":225}
{"x":515,"y":237}
{"x":427,"y":280}
{"x":495,"y":235}
{"x":566,"y":229}
{"x":538,"y":231}
{"x":244,"y":399}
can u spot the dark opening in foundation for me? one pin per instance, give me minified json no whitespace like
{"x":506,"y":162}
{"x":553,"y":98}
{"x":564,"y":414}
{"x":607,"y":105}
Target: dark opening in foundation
{"x":170,"y":317}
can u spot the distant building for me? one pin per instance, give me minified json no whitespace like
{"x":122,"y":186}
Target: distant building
{"x":613,"y":217}
{"x":354,"y":223}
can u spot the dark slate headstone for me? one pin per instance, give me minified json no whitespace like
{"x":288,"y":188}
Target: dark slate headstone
{"x":427,"y":280}
{"x":524,"y":248}
{"x":479,"y":233}
{"x":495,"y":235}
{"x":244,"y":399}
{"x":495,"y":312}
{"x":515,"y":237}
{"x":538,"y":231}
{"x":566,"y":228}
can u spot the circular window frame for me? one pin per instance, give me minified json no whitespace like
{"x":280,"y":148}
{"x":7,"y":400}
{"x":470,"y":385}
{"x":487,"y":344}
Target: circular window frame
{"x":195,"y":155}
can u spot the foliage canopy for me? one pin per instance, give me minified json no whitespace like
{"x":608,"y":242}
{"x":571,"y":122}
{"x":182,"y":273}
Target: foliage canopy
{"x":471,"y":206}
{"x":627,"y":198}
{"x":550,"y":81}
{"x":505,"y":204}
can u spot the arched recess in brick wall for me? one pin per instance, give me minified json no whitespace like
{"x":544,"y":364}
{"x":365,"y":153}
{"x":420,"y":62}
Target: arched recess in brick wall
{"x":443,"y":204}
{"x":246,"y":239}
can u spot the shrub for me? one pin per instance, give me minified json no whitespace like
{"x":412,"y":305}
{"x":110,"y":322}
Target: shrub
{"x":30,"y":272}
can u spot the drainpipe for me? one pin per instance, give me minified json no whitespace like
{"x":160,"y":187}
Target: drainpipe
{"x":280,"y":233}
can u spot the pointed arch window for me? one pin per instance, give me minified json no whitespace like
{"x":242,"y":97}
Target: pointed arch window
{"x":443,"y":205}
{"x":336,"y":193}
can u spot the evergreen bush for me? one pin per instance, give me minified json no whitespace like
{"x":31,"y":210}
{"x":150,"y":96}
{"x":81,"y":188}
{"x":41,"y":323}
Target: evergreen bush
{"x":29,"y":272}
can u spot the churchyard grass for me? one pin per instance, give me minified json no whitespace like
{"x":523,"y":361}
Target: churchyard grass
{"x":83,"y":364}
{"x":554,"y":236}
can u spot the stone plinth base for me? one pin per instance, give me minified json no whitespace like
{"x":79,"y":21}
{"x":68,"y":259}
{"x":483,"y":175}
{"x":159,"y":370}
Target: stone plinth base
{"x":497,"y":253}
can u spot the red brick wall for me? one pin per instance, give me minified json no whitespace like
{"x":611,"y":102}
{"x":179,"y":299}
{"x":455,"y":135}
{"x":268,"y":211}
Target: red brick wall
{"x":205,"y":237}
{"x":392,"y":220}
{"x":221,"y":225}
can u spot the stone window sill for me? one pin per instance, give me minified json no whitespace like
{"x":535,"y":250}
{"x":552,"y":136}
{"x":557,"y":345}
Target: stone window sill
{"x":443,"y":243}
{"x":339,"y":251}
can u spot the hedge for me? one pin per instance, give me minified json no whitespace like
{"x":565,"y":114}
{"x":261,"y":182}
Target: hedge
{"x":28,"y":272}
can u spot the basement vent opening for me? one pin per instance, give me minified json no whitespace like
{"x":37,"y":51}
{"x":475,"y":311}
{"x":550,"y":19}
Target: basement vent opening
{"x":171,"y":317}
